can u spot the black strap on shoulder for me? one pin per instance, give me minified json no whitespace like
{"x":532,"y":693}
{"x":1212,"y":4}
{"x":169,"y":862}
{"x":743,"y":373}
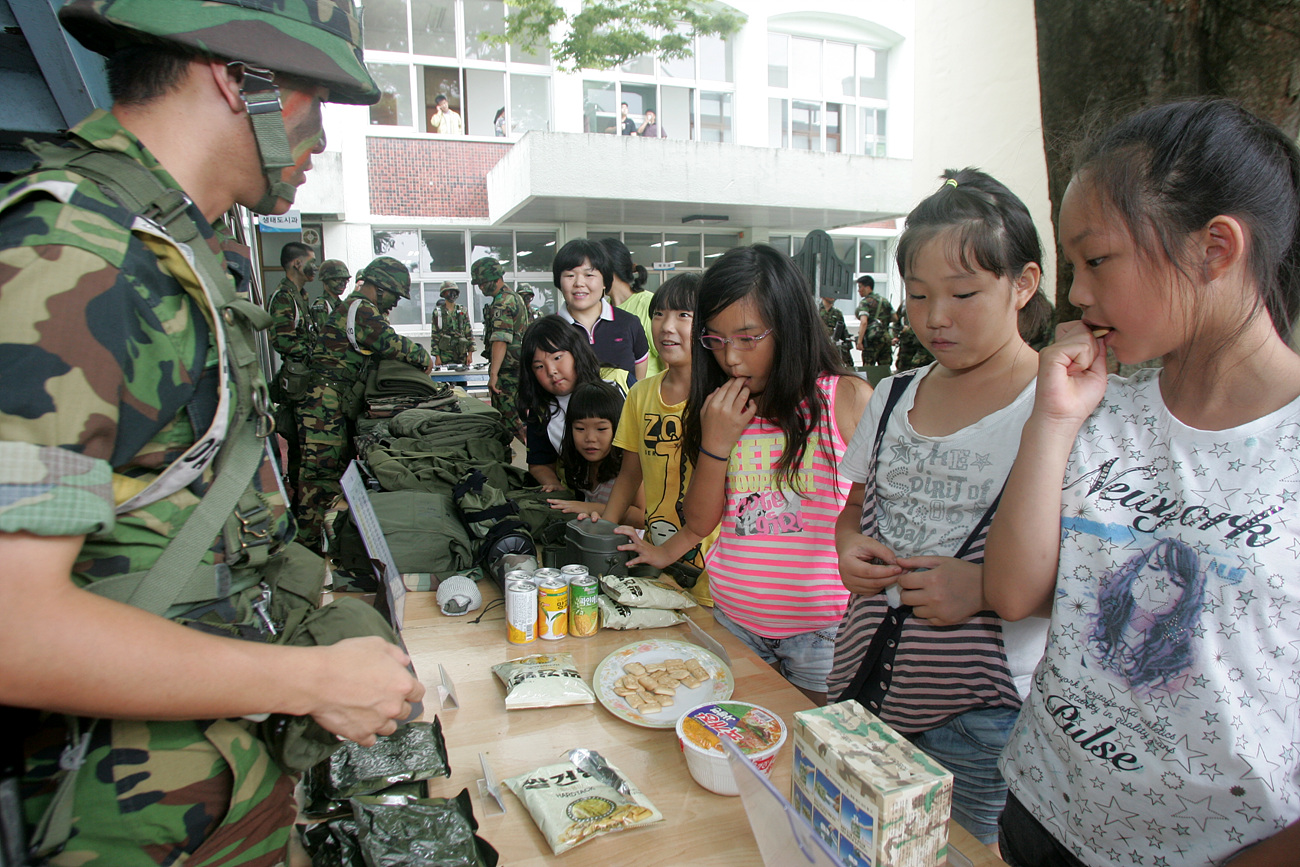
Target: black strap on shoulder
{"x":874,"y":676}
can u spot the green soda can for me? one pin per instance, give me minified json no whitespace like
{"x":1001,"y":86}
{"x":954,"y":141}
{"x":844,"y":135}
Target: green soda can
{"x":584,"y":615}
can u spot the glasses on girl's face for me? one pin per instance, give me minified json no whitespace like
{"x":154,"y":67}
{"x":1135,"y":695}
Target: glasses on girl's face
{"x":742,"y":342}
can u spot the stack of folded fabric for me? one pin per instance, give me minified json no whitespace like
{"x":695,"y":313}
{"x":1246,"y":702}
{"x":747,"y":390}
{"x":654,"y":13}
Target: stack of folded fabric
{"x":395,"y":386}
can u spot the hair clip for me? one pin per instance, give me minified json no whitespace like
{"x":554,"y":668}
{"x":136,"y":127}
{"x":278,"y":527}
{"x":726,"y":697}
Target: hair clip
{"x":951,"y":182}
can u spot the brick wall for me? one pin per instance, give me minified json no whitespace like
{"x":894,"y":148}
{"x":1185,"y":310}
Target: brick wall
{"x":430,"y":177}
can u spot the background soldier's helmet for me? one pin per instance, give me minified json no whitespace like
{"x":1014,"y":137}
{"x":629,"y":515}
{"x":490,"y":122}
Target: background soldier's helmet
{"x":333,"y":269}
{"x":486,"y":270}
{"x":316,"y":40}
{"x":526,"y":292}
{"x":388,"y":274}
{"x":449,"y":288}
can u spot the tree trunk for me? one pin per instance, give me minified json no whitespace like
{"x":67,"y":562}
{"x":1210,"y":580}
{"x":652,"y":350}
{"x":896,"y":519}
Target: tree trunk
{"x":1100,"y":59}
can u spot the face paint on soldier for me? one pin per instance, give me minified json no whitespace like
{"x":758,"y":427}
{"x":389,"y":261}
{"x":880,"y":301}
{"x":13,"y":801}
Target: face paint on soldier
{"x":301,"y":109}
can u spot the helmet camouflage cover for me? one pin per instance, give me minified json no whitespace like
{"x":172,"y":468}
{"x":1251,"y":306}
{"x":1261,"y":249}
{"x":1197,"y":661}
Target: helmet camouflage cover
{"x":486,"y":270}
{"x":388,"y":274}
{"x":333,"y":269}
{"x":316,"y":40}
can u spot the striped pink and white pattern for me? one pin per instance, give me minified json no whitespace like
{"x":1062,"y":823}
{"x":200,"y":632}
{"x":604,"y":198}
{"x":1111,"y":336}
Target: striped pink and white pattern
{"x":774,"y":569}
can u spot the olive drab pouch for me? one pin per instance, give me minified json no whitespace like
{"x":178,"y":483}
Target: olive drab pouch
{"x":412,"y":832}
{"x":292,"y":381}
{"x":299,"y":742}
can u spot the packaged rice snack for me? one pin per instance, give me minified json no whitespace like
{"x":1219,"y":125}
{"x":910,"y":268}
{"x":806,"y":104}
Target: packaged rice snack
{"x":570,"y":806}
{"x":415,"y":752}
{"x":419,"y":832}
{"x":616,"y":616}
{"x":543,"y":680}
{"x":637,"y":592}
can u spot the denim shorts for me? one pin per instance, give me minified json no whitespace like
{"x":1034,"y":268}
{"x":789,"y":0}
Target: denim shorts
{"x":804,"y":659}
{"x":968,"y":745}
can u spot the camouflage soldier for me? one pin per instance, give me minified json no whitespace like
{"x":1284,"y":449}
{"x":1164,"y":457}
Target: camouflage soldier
{"x":356,"y":332}
{"x":334,"y":276}
{"x":295,"y":333}
{"x":503,"y":334}
{"x":833,"y":319}
{"x":453,"y":338}
{"x":911,"y":352}
{"x":875,"y":324}
{"x":131,"y":394}
{"x":526,"y":292}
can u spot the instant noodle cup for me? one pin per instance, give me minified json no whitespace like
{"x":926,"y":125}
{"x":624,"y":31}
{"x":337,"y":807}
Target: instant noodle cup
{"x":756,"y":730}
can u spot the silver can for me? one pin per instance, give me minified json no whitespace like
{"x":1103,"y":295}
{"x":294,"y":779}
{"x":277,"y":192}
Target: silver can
{"x":575,"y":570}
{"x":546,"y":573}
{"x":521,"y":612}
{"x":518,"y":575}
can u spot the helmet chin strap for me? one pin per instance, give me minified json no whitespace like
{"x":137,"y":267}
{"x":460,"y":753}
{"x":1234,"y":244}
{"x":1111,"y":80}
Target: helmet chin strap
{"x":262,"y":99}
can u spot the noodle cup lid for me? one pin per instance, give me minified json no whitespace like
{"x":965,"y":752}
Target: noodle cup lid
{"x":756,"y":730}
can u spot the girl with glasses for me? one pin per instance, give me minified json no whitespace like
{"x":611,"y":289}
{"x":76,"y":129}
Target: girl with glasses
{"x":770,"y":410}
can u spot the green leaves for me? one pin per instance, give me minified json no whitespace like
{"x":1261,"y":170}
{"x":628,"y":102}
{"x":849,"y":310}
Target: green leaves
{"x":607,"y":33}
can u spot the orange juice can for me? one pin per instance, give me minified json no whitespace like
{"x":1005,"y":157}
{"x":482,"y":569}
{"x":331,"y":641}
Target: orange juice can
{"x":552,"y":608}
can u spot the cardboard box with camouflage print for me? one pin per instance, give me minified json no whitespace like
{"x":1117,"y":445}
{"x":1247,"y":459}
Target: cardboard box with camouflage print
{"x":872,"y":796}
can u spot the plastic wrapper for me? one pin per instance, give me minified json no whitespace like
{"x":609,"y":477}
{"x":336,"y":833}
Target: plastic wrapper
{"x":634,"y":592}
{"x":616,"y":616}
{"x":543,"y":680}
{"x":332,"y":843}
{"x":571,"y":807}
{"x":420,"y":832}
{"x":415,"y":752}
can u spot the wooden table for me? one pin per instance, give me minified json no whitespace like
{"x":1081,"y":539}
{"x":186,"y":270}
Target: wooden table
{"x":699,"y":827}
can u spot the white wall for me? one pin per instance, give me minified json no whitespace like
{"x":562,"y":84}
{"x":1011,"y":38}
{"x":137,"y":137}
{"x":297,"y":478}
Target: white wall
{"x":977,"y":102}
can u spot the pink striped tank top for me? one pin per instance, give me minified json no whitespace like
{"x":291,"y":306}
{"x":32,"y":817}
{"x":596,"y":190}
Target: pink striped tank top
{"x":774,"y":569}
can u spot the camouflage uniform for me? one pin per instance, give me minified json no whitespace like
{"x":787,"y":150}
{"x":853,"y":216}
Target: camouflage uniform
{"x":453,"y":337}
{"x":93,"y":411}
{"x":506,"y":323}
{"x":833,"y":319}
{"x":911,"y":352}
{"x":330,"y":409}
{"x":878,"y":340}
{"x":294,"y":335}
{"x":114,"y":400}
{"x":334,"y":276}
{"x":526,"y":293}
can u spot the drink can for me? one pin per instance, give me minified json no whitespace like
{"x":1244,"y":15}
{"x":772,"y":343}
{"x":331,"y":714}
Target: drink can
{"x":584,"y":614}
{"x":518,"y":575}
{"x":574,"y":571}
{"x":546,"y":572}
{"x":552,"y":608}
{"x":521,"y":611}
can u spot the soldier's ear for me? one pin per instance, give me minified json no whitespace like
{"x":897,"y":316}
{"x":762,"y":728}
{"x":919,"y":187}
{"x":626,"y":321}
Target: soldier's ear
{"x":227,"y":79}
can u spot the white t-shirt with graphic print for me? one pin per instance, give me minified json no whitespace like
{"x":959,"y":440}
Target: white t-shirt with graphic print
{"x":1164,"y":723}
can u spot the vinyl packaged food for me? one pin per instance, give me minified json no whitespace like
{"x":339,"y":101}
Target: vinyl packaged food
{"x":543,"y":680}
{"x":637,"y":592}
{"x":571,"y":807}
{"x":616,"y":616}
{"x":415,"y":752}
{"x":419,"y":832}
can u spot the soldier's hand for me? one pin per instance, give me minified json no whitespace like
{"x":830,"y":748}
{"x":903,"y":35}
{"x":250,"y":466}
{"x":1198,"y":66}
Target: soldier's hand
{"x":492,"y":384}
{"x":365,"y":689}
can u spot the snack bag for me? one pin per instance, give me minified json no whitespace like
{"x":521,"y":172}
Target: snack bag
{"x":415,"y":752}
{"x":571,"y":807}
{"x":543,"y":680}
{"x":637,"y":592}
{"x":616,"y":616}
{"x":418,"y":832}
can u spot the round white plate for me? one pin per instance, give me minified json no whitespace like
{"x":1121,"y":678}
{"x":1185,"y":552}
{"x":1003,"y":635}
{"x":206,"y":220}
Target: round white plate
{"x":718,"y":687}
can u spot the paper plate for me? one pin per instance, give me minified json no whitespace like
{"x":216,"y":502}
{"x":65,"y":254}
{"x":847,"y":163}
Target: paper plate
{"x":718,"y":687}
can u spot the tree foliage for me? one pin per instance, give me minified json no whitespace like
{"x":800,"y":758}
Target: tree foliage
{"x":607,"y":33}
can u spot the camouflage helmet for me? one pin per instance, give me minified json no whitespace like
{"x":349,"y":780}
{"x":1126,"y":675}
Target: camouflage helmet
{"x":333,"y":269}
{"x":486,"y":270}
{"x":448,"y":288}
{"x":388,"y":274}
{"x":316,"y":40}
{"x":525,"y":291}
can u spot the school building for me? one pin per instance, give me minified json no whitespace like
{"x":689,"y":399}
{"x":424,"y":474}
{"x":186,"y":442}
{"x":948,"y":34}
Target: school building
{"x":814,"y":115}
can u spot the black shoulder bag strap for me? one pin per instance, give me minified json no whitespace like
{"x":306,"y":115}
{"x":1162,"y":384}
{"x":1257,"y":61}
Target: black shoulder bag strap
{"x":875,"y":674}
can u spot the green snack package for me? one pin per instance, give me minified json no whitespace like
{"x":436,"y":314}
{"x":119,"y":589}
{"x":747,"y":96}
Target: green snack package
{"x":634,"y":592}
{"x":571,"y":807}
{"x":416,"y":751}
{"x":332,"y":843}
{"x":396,"y":831}
{"x":616,"y":616}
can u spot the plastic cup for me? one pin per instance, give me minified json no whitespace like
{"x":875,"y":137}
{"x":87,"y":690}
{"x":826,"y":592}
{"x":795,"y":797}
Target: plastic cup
{"x":756,"y":730}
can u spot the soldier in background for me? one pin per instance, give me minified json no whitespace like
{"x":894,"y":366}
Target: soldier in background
{"x":833,"y":319}
{"x":875,"y":324}
{"x":911,"y":352}
{"x":526,"y":292}
{"x":503,"y":336}
{"x":356,"y":335}
{"x":334,"y":276}
{"x":453,"y":339}
{"x":129,"y":377}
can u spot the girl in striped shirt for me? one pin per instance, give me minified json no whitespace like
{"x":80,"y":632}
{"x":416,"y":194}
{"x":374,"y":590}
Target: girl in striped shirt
{"x":928,"y":464}
{"x":769,"y":413}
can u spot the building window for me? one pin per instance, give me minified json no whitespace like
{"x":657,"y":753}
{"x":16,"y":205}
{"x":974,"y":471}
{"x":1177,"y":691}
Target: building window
{"x":434,"y":256}
{"x":691,"y":97}
{"x":825,"y":95}
{"x":664,"y":254}
{"x":427,"y":48}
